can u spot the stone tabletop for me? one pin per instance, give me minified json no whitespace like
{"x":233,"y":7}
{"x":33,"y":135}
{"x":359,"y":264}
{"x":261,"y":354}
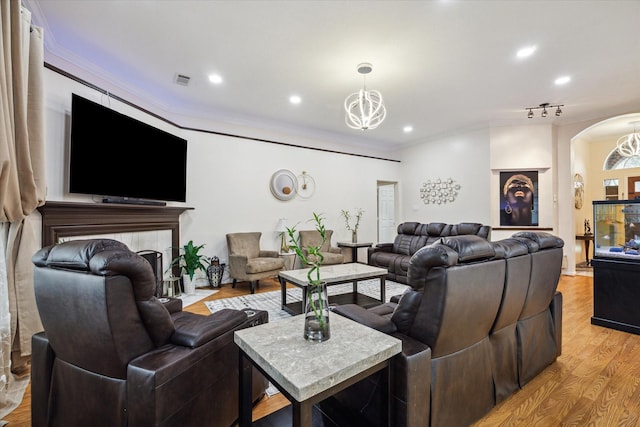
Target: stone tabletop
{"x":305,"y":368}
{"x":334,"y":273}
{"x":355,"y":244}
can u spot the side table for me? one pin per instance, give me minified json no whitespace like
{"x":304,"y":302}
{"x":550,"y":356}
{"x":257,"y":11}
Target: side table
{"x":307,"y":373}
{"x":289,"y":260}
{"x":587,"y":239}
{"x":354,"y":248}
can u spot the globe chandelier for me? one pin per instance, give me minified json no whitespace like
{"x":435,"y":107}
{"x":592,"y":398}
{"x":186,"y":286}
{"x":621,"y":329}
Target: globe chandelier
{"x":629,"y":145}
{"x":364,"y":109}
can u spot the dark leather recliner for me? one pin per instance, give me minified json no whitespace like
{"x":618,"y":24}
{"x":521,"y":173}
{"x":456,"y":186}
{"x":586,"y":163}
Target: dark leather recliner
{"x":479,"y":320}
{"x":112,"y":354}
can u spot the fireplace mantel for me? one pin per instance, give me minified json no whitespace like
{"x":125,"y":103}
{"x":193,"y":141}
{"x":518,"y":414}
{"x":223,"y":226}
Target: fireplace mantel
{"x":66,"y":219}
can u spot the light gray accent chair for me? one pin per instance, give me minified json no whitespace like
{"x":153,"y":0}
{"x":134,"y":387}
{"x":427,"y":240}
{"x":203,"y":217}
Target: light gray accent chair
{"x":247,"y":262}
{"x":332,"y":254}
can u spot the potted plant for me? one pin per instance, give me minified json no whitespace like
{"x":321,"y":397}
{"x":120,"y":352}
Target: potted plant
{"x":190,"y":260}
{"x":353,"y":228}
{"x":316,"y":321}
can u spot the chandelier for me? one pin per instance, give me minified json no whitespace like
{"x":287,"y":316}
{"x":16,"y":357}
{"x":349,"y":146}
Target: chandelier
{"x":364,"y":109}
{"x":629,"y":145}
{"x":544,"y":107}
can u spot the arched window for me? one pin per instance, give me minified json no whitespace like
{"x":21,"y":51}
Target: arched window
{"x":617,"y":161}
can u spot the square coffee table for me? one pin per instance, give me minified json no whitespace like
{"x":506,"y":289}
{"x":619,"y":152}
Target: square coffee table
{"x":334,"y":275}
{"x":308,"y":372}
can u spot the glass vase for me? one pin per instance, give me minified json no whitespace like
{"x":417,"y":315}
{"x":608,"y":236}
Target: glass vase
{"x":316,"y":317}
{"x":354,"y":236}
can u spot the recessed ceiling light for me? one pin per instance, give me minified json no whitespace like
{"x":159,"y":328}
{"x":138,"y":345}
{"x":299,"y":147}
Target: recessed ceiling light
{"x":215,"y":79}
{"x":295,"y":99}
{"x":562,"y":80}
{"x":407,"y":129}
{"x":526,"y":51}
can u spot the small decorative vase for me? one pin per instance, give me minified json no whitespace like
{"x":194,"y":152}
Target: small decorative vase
{"x":316,"y":317}
{"x":354,"y":236}
{"x":215,"y":272}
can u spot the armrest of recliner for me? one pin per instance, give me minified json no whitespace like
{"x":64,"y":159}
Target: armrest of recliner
{"x":412,"y":381}
{"x":556,"y":314}
{"x":193,"y":330}
{"x":268,"y":254}
{"x":366,"y":317}
{"x":162,"y":382}
{"x":381,"y":247}
{"x":42,"y":358}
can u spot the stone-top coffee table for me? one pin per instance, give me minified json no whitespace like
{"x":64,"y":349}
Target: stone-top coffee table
{"x":308,"y":372}
{"x":334,"y":275}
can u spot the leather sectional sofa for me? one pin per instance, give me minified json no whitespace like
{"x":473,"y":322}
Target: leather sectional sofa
{"x":480,"y":320}
{"x":413,"y":236}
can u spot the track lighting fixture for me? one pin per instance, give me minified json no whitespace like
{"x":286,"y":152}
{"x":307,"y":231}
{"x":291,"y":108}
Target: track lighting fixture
{"x":544,"y":107}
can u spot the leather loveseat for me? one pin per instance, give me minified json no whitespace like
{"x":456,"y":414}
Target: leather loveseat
{"x":479,"y":321}
{"x":112,"y":354}
{"x":413,"y":236}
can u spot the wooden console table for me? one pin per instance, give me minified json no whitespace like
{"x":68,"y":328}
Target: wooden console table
{"x":66,"y":219}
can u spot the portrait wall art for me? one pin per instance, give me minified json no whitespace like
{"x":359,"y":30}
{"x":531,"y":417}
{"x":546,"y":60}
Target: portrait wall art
{"x":519,"y":198}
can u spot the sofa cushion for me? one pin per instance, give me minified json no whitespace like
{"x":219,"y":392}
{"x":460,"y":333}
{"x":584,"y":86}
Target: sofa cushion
{"x":259,"y":265}
{"x":313,"y":238}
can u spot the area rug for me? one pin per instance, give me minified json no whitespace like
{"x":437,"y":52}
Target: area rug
{"x":200,"y":293}
{"x":270,"y":301}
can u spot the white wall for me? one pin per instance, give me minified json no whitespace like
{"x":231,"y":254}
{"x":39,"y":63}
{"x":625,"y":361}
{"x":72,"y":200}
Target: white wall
{"x":228,"y":178}
{"x":527,"y":148}
{"x":465,"y":159}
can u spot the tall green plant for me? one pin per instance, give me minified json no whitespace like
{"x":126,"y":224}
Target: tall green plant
{"x":190,"y":259}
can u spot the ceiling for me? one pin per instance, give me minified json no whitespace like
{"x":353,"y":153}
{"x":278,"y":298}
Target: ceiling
{"x":441,"y":66}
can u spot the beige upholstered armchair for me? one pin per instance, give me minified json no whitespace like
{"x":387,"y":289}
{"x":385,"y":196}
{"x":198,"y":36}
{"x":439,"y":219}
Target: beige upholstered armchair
{"x":247,"y":262}
{"x":332,"y":254}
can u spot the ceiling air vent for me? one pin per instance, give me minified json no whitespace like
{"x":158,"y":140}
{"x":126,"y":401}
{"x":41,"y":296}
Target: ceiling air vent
{"x":181,"y":79}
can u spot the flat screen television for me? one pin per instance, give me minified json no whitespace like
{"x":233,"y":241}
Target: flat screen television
{"x":123,"y":159}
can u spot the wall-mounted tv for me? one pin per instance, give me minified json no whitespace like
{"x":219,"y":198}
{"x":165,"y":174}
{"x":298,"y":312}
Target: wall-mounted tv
{"x":123,"y":159}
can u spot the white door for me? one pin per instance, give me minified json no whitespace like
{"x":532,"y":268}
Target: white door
{"x":386,"y":213}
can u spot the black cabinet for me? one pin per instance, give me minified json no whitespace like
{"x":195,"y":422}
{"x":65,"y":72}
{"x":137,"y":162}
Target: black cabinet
{"x":616,"y":294}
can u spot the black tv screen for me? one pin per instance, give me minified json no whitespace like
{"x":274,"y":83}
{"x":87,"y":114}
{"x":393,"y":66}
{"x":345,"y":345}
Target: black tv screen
{"x":115,"y":155}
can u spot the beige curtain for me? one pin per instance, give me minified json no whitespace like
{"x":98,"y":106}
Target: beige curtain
{"x":22,"y":189}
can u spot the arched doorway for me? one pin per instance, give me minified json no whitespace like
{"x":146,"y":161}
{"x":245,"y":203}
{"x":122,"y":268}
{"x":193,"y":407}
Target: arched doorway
{"x":591,"y":155}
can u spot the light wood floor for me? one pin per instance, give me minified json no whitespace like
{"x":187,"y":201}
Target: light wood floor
{"x":595,"y":382}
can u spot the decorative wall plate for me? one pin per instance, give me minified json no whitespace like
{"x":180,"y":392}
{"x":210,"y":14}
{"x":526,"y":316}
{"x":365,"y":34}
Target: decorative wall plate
{"x":284,"y":184}
{"x":306,"y":185}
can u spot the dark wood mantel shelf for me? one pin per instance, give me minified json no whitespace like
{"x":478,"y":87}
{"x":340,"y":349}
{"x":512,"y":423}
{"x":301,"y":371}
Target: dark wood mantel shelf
{"x":66,"y":219}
